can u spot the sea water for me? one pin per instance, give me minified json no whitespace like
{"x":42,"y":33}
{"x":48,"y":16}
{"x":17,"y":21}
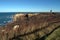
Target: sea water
{"x":6,"y":17}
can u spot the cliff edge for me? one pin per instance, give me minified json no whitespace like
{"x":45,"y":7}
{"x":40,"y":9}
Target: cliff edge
{"x":30,"y":26}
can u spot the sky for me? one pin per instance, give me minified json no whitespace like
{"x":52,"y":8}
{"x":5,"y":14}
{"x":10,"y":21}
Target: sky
{"x":29,"y":5}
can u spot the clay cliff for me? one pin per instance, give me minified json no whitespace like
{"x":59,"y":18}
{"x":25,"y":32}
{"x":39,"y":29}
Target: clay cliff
{"x":30,"y":26}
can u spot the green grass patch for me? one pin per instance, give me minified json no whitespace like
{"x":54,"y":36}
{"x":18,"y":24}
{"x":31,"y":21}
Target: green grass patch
{"x":55,"y":35}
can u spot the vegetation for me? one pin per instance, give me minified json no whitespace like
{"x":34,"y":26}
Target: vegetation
{"x":55,"y":35}
{"x":30,"y":27}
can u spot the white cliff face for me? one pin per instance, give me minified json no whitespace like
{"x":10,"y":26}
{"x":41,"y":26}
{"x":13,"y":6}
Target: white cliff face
{"x":31,"y":15}
{"x":3,"y":30}
{"x":15,"y":27}
{"x":18,"y":16}
{"x":22,"y":16}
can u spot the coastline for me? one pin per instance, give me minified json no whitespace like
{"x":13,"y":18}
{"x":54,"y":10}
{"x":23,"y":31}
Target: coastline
{"x":30,"y":25}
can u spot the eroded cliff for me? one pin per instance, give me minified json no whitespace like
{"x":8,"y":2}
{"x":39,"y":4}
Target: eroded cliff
{"x":30,"y":26}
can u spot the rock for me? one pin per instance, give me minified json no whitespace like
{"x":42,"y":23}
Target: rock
{"x":16,"y":27}
{"x":18,"y":16}
{"x":30,"y":15}
{"x":31,"y":26}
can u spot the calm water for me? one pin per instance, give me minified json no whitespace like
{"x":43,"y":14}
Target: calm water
{"x":6,"y":17}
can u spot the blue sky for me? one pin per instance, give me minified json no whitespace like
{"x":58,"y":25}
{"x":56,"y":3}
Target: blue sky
{"x":29,"y":5}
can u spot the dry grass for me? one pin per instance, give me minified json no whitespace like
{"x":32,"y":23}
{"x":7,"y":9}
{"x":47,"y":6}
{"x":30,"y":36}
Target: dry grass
{"x":30,"y":27}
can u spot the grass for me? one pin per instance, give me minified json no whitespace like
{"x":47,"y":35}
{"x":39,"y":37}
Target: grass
{"x":55,"y":35}
{"x":32,"y":28}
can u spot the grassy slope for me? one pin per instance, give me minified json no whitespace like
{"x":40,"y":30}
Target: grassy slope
{"x":30,"y":28}
{"x":55,"y":35}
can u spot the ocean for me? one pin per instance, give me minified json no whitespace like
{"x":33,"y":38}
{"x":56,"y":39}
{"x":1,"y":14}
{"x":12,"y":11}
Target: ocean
{"x":6,"y":17}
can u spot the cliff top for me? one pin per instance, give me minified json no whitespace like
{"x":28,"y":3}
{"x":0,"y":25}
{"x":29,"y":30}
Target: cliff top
{"x":27,"y":24}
